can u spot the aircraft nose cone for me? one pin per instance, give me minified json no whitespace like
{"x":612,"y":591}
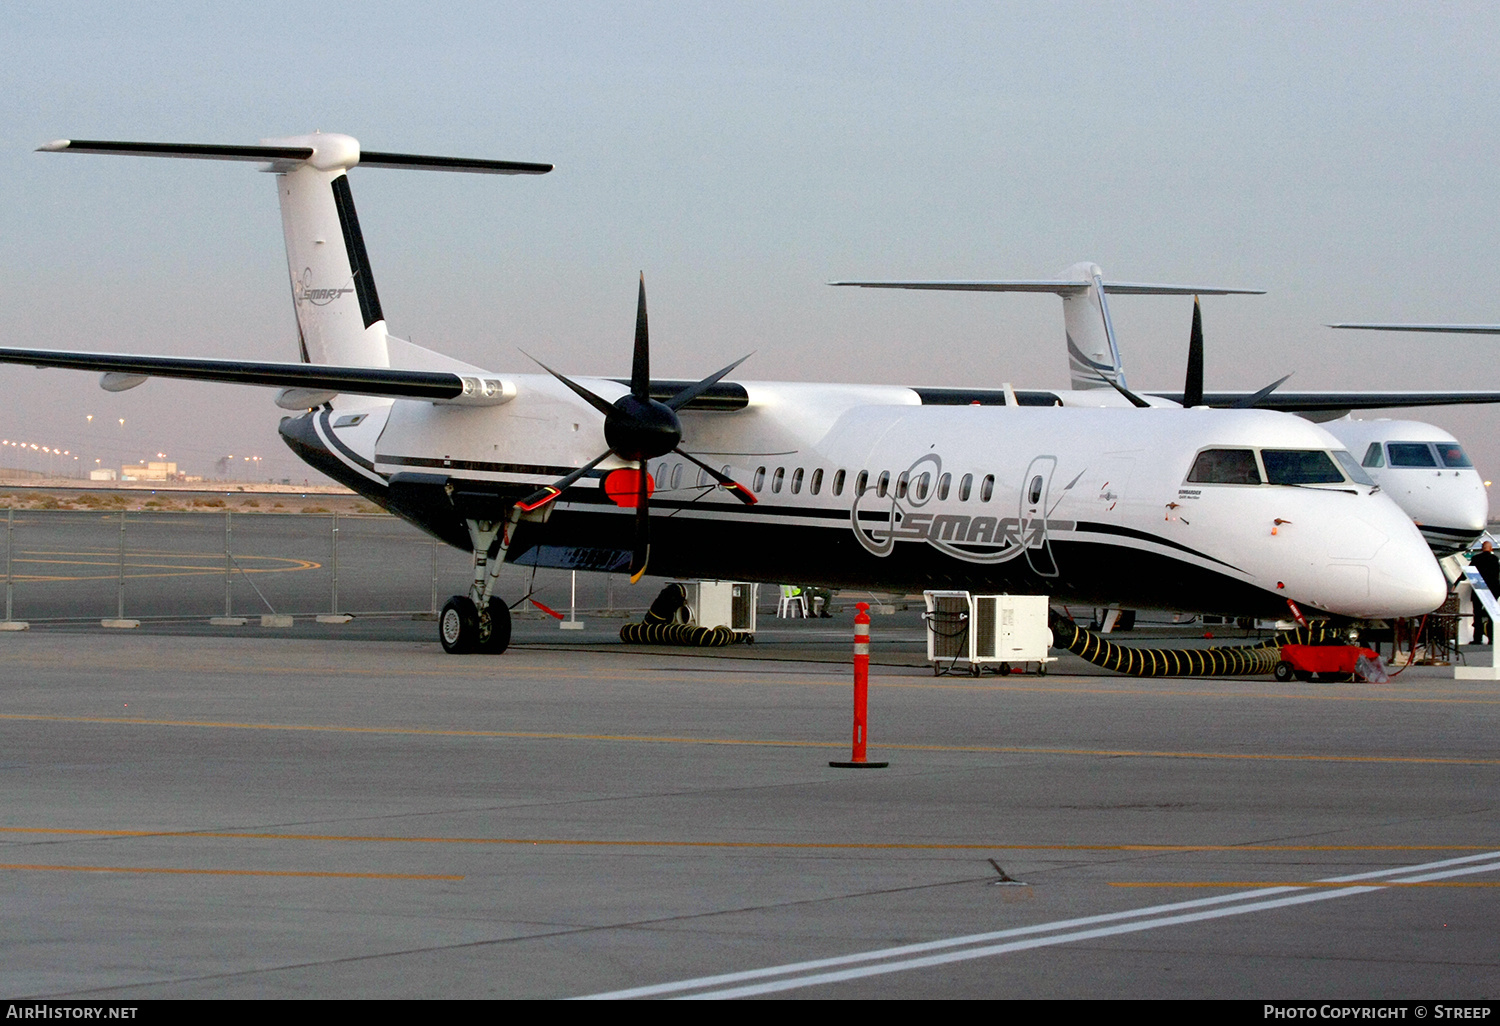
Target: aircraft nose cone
{"x":1379,"y":566}
{"x":1405,"y":580}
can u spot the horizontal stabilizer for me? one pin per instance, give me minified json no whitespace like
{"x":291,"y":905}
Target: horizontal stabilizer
{"x":281,"y":155}
{"x":434,"y":386}
{"x":1059,"y":287}
{"x":1457,"y":329}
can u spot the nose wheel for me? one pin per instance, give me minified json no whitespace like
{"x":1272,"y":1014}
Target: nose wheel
{"x":462,"y":629}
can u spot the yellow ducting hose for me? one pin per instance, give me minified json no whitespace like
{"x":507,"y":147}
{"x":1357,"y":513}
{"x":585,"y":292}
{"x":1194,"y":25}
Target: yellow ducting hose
{"x":1221,"y":660}
{"x":665,"y":624}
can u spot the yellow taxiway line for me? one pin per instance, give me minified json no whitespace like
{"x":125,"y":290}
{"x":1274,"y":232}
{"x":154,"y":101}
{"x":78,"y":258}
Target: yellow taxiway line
{"x":754,"y":742}
{"x":772,"y":845}
{"x":223,"y":872}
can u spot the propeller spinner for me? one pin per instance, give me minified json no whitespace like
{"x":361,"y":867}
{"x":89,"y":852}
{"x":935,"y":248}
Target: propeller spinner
{"x":639,"y":428}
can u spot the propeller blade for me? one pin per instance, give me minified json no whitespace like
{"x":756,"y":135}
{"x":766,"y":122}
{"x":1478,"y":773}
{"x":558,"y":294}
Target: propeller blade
{"x":1135,"y":400}
{"x":539,"y":498}
{"x":604,"y":406}
{"x":692,"y":392}
{"x":641,"y":555}
{"x":736,"y":489}
{"x":1192,"y":390}
{"x":1251,"y":400}
{"x":640,"y":368}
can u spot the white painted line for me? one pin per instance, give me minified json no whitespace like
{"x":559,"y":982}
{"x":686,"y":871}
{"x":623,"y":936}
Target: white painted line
{"x":1254,"y":899}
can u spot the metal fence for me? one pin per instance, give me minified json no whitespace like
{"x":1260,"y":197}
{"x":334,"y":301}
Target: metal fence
{"x":102,"y":564}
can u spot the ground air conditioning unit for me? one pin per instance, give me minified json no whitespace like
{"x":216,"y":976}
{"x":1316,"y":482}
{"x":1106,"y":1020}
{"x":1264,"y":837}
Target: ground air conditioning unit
{"x":998,"y":631}
{"x":723,"y":604}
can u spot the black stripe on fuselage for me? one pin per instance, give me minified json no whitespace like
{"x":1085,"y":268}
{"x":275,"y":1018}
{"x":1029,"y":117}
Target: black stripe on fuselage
{"x":1089,"y":571}
{"x":439,"y":463}
{"x":338,"y":443}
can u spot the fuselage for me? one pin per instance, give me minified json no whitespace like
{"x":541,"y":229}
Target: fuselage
{"x":865,"y":486}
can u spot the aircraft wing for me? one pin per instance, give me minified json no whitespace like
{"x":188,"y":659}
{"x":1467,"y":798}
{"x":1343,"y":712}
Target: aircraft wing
{"x":1448,"y":329}
{"x":1336,"y":402}
{"x":1063,"y":287}
{"x":309,"y":380}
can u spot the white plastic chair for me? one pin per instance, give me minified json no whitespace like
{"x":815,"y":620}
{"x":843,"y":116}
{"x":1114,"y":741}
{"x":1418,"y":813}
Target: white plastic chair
{"x":793,"y":603}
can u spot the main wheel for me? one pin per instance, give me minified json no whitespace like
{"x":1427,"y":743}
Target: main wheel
{"x":494,"y":637}
{"x":1284,"y":671}
{"x":458,"y":625}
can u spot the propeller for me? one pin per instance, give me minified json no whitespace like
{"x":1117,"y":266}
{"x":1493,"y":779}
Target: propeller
{"x":1192,"y":389}
{"x":637,"y":429}
{"x":1254,"y":400}
{"x":1135,"y":400}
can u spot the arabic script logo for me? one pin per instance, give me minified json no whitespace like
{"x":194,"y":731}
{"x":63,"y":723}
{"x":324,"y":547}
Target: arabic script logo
{"x":303,"y":291}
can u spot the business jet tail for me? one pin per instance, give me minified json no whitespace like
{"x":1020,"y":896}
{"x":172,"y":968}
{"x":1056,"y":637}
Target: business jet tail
{"x":1093,"y":353}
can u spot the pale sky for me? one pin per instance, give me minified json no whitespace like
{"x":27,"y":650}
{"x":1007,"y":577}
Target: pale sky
{"x":1340,"y":156}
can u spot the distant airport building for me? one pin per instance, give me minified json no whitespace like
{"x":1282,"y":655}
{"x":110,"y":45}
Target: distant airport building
{"x":150,"y":472}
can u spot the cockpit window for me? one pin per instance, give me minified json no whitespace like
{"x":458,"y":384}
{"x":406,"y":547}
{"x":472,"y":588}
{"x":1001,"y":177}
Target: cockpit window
{"x":1374,"y":456}
{"x":1354,"y":470}
{"x":1411,"y":454}
{"x":1300,"y":467}
{"x":1452,"y":454}
{"x":1225,"y":466}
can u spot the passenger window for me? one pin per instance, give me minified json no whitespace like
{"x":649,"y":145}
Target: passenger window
{"x":1374,"y":455}
{"x":923,"y":481}
{"x":838,"y":483}
{"x":777,"y":478}
{"x":796,"y":480}
{"x":901,"y":485}
{"x":760,"y":479}
{"x":964,"y":487}
{"x":862,"y":482}
{"x":1411,"y":454}
{"x":943,"y":483}
{"x":816,"y":484}
{"x":1034,"y":493}
{"x":1300,"y":467}
{"x":1225,"y":466}
{"x":987,"y":488}
{"x":676,"y":475}
{"x":1353,"y":470}
{"x":703,"y":479}
{"x":884,"y":483}
{"x":1453,"y":455}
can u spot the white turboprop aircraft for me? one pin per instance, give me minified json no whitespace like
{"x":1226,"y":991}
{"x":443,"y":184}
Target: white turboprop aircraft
{"x":1235,"y":511}
{"x":1420,"y":466}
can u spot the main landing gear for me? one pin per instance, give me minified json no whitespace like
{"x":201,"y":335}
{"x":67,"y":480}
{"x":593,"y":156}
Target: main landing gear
{"x":479,"y":621}
{"x":461,"y":628}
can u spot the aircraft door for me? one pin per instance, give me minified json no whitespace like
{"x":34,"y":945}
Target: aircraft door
{"x":1036,"y":487}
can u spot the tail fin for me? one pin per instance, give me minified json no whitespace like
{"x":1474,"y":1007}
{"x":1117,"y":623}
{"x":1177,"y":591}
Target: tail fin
{"x":1092,"y":351}
{"x":1093,"y":354}
{"x":339,"y":320}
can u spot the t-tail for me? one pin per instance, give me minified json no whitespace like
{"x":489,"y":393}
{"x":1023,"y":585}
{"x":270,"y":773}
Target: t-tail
{"x":1093,"y":352}
{"x":339,"y":319}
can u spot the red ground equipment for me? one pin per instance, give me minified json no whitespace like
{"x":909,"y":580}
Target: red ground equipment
{"x":1329,"y":662}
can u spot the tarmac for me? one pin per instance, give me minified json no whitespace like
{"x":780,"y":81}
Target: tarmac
{"x":345,"y":811}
